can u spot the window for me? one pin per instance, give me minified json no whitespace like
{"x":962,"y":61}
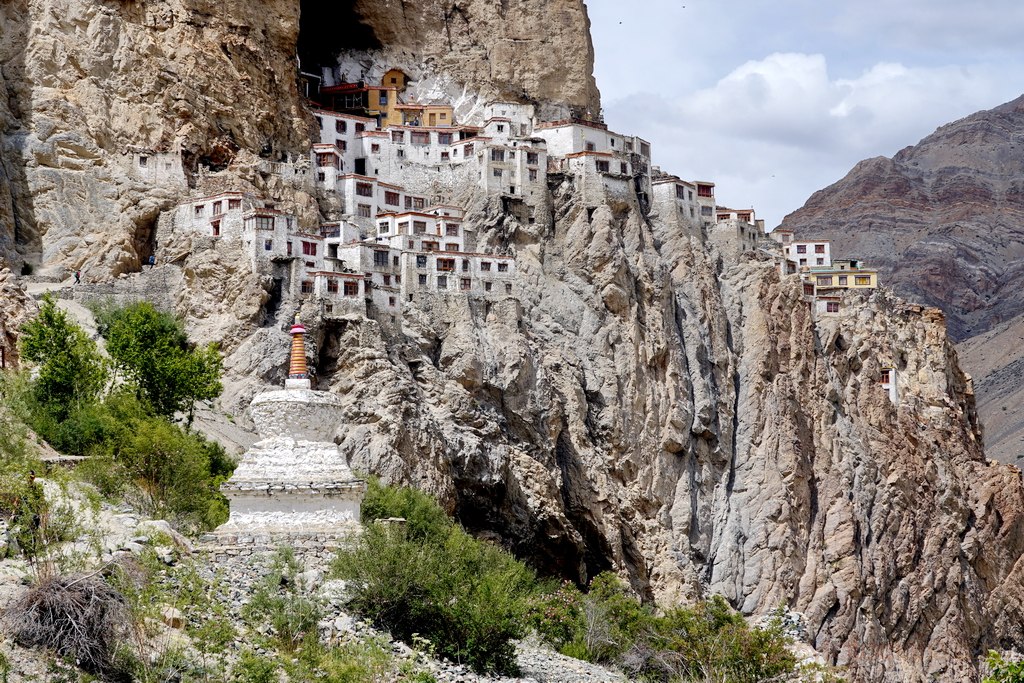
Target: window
{"x":289,"y":248}
{"x":497,"y":173}
{"x":324,"y":159}
{"x":216,"y":209}
{"x":468,"y":149}
{"x":508,"y":289}
{"x":444,"y":138}
{"x":532,"y":158}
{"x":824,"y":281}
{"x":533,"y":174}
{"x":487,"y":286}
{"x":398,"y":136}
{"x":485,"y":265}
{"x":465,"y":265}
{"x":387,"y":279}
{"x":422,"y":279}
{"x":591,"y":147}
{"x":408,"y":202}
{"x":831,"y":306}
{"x":341,"y":144}
{"x":360,"y":127}
{"x":690,"y":192}
{"x":603,"y":166}
{"x":842,"y":280}
{"x":451,"y":246}
{"x":502,"y":267}
{"x":501,"y":128}
{"x":801,"y":248}
{"x":364,"y":189}
{"x":143,"y":162}
{"x":234,"y":204}
{"x":706,"y":211}
{"x":420,"y":137}
{"x":215,"y":227}
{"x":418,"y":202}
{"x":391,"y":301}
{"x":819,"y":262}
{"x":445,"y":156}
{"x":383,"y":98}
{"x":612,"y":142}
{"x":680,"y":192}
{"x":364,"y":210}
{"x":887,"y":376}
{"x":268,"y":245}
{"x":451,"y":230}
{"x":319,"y":122}
{"x":401,"y":153}
{"x":803,"y":262}
{"x":199,"y":210}
{"x":808,"y":288}
{"x":465,"y":284}
{"x":394,"y":260}
{"x":412,"y":244}
{"x":819,"y":248}
{"x":629,"y":146}
{"x":321,"y":176}
{"x":380,"y":258}
{"x":306,"y":287}
{"x":384,"y":227}
{"x":308,"y":249}
{"x":351,"y":288}
{"x":391,"y":198}
{"x":497,"y":155}
{"x":403,"y":228}
{"x":419,"y":227}
{"x":442,"y":282}
{"x":445,"y":265}
{"x":340,"y":126}
{"x":443,"y":116}
{"x":429,"y":246}
{"x":705,"y":191}
{"x":421,"y":261}
{"x":862,"y":280}
{"x":623,"y":169}
{"x":332,"y":285}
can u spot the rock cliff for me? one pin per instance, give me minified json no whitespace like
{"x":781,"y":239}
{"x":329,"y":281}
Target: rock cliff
{"x":942,"y":220}
{"x":641,"y":404}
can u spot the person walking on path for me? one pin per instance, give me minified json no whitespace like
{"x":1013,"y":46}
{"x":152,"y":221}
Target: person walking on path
{"x":78,"y":277}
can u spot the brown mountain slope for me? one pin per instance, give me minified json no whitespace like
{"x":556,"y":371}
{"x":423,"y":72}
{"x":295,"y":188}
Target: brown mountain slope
{"x":944,"y":222}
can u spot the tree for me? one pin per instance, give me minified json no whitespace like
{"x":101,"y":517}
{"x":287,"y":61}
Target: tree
{"x":151,"y":350}
{"x":71,"y":371}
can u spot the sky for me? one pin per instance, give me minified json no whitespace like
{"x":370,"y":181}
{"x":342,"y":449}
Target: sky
{"x":775,"y":100}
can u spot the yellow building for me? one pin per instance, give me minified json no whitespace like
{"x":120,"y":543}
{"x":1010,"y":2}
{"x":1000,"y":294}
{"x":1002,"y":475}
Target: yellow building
{"x":843,"y":274}
{"x":395,"y":78}
{"x":429,"y":115}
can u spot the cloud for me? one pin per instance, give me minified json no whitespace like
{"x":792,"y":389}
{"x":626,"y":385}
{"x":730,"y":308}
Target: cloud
{"x":774,"y":130}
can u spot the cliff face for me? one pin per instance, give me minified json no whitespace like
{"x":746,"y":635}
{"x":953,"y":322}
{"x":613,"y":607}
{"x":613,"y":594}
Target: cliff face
{"x":942,"y":221}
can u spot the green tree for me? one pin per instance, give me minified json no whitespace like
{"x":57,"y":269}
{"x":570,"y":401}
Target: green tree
{"x":151,"y":350}
{"x":71,"y":371}
{"x":1002,"y":670}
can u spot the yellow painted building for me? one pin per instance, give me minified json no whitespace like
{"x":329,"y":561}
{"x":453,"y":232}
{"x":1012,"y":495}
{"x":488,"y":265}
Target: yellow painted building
{"x":843,"y":274}
{"x":428,"y":115}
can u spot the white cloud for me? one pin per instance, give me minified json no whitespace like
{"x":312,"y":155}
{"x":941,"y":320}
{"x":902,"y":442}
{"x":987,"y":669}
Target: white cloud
{"x":774,"y":130}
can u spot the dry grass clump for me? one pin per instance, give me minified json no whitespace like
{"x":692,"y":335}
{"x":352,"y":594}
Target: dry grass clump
{"x":80,"y":617}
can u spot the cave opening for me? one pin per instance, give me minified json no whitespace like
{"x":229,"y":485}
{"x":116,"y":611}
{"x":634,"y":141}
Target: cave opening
{"x":328,"y":29}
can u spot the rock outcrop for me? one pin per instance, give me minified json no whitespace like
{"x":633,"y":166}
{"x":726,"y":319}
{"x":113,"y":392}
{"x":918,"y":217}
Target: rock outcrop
{"x":15,"y":309}
{"x":942,"y":221}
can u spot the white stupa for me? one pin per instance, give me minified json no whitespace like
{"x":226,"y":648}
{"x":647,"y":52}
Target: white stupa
{"x":293,"y":482}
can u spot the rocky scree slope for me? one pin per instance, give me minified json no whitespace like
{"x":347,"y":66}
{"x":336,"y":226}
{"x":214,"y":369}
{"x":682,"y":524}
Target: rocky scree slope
{"x":944,"y":223}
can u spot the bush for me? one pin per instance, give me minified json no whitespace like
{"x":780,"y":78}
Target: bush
{"x":709,"y":641}
{"x":432,"y":580}
{"x":1002,"y":670}
{"x":284,"y":604}
{"x":80,"y":617}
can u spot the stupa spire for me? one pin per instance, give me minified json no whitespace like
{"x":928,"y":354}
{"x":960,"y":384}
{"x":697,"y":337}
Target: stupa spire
{"x":298,"y":373}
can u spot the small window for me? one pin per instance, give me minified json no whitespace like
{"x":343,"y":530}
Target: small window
{"x":801,"y":248}
{"x":397,"y":136}
{"x":289,"y":249}
{"x":391,"y":198}
{"x":380,"y":258}
{"x":451,"y":246}
{"x":819,"y":262}
{"x":603,"y":166}
{"x":419,"y":227}
{"x":384,"y":227}
{"x":445,"y":156}
{"x":485,"y":265}
{"x":465,"y":284}
{"x":351,"y":288}
{"x":215,"y":227}
{"x":445,"y":265}
{"x":387,"y":279}
{"x":234,"y":204}
{"x":418,"y":202}
{"x":533,"y":174}
{"x":268,"y":245}
{"x":332,"y":285}
{"x":444,"y":138}
{"x":364,"y":189}
{"x":468,"y":149}
{"x":360,"y":127}
{"x":421,"y":261}
{"x":143,"y":162}
{"x":364,"y":210}
{"x":419,"y":137}
{"x":375,"y":148}
{"x":391,"y":301}
{"x":341,"y":144}
{"x":887,"y":376}
{"x":862,"y":280}
{"x":497,"y":173}
{"x":442,"y":282}
{"x":832,"y":307}
{"x":422,"y":279}
{"x":401,"y":153}
{"x":308,"y":249}
{"x":465,"y":265}
{"x":487,"y":286}
{"x":319,"y":122}
{"x":508,"y":288}
{"x":394,"y":261}
{"x":502,"y":267}
{"x":824,"y":280}
{"x":843,"y":280}
{"x":532,"y":158}
{"x":340,"y":126}
{"x":819,"y":248}
{"x":451,"y":230}
{"x":200,"y":210}
{"x":497,"y":155}
{"x":216,"y":208}
{"x":501,"y":127}
{"x":591,"y":147}
{"x":307,"y":287}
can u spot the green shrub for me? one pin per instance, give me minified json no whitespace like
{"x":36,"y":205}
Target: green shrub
{"x":424,"y":518}
{"x":1003,"y":671}
{"x":432,"y":580}
{"x":252,"y":668}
